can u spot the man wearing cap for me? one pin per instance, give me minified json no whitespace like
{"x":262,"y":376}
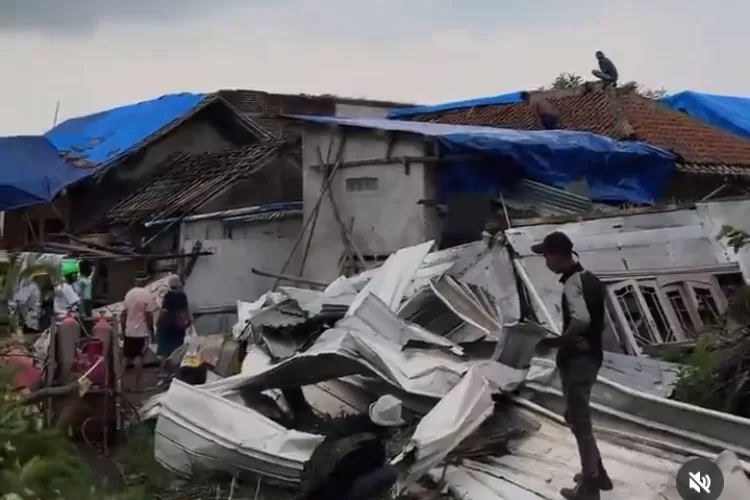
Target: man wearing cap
{"x":137,"y":322}
{"x":579,"y":357}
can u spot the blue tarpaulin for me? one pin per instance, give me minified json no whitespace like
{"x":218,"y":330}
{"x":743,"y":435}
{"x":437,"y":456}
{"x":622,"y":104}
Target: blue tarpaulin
{"x":31,"y":172}
{"x":99,"y":139}
{"x":511,"y":98}
{"x":728,"y":113}
{"x":616,"y":171}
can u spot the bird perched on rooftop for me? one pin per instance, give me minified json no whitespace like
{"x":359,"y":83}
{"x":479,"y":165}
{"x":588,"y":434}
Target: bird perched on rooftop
{"x":607,"y":71}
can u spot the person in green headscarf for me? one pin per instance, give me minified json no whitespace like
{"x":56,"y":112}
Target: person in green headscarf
{"x":66,"y":298}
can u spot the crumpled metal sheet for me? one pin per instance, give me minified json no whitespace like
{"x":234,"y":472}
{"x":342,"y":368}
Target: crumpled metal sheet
{"x":452,"y":420}
{"x":456,"y":260}
{"x":353,"y":347}
{"x":471,"y":304}
{"x":393,"y":278}
{"x":201,"y":426}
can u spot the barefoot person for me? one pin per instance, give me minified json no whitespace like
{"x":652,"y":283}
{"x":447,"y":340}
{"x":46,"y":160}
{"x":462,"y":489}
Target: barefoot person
{"x":579,"y":357}
{"x":137,"y":322}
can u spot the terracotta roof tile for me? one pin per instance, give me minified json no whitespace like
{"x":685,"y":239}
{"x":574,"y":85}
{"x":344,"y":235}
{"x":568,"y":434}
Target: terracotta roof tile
{"x":703,"y":148}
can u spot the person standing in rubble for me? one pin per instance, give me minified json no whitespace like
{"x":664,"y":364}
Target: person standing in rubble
{"x":28,"y":301}
{"x":174,"y":320}
{"x":84,"y":286}
{"x":579,"y":357}
{"x":607,"y":71}
{"x":137,"y":323}
{"x":548,"y":115}
{"x":65,"y":297}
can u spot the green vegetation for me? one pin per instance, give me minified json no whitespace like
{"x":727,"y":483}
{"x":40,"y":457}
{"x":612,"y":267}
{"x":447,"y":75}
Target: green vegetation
{"x":565,"y":81}
{"x":716,"y":372}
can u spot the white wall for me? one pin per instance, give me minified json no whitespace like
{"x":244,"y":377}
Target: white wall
{"x":385,"y":219}
{"x":221,"y":279}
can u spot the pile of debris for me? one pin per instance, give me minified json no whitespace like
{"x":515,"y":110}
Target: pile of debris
{"x":427,"y":328}
{"x":442,"y":333}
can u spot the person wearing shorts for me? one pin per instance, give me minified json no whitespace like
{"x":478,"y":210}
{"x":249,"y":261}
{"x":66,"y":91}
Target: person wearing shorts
{"x":137,"y":322}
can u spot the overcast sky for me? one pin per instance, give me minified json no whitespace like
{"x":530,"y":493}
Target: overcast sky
{"x":95,"y":54}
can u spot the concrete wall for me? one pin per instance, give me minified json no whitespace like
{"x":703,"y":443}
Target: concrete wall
{"x":379,"y":202}
{"x":219,"y":280}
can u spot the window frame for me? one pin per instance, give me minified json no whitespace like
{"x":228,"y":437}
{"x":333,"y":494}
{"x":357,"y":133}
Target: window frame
{"x":686,"y":285}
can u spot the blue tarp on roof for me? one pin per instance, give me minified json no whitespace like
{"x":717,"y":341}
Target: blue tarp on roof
{"x":728,"y":113}
{"x":100,"y":138}
{"x":615,"y":171}
{"x":31,"y":172}
{"x":511,"y":98}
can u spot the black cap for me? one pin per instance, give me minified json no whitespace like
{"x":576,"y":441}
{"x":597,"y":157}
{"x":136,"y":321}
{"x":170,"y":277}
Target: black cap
{"x":556,"y":243}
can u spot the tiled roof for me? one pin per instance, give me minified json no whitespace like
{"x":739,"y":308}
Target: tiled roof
{"x":702,"y":148}
{"x":185,"y":181}
{"x":265,"y":107}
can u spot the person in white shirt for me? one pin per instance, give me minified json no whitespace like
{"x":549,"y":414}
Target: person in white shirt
{"x":28,"y":302}
{"x":84,"y":286}
{"x":65,"y":296}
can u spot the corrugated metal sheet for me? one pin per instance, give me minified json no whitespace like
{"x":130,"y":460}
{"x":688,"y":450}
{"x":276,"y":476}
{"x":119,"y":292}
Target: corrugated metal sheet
{"x":96,"y":140}
{"x":263,"y":217}
{"x":546,"y":200}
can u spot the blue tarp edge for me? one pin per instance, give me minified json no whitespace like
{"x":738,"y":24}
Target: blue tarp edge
{"x":497,"y":100}
{"x":729,"y":113}
{"x":616,"y":171}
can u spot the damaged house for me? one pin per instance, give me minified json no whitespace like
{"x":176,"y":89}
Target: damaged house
{"x":118,"y":150}
{"x":711,"y":161}
{"x":367,"y":184}
{"x":115,"y":154}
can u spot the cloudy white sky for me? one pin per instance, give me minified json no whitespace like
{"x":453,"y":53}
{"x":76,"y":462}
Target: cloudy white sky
{"x":95,"y":54}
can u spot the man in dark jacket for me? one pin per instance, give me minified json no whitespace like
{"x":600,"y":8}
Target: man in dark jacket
{"x":607,"y":71}
{"x":579,"y":357}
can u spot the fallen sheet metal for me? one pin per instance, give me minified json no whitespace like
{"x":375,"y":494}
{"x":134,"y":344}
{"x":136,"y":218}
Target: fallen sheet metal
{"x":205,"y":429}
{"x":452,"y":420}
{"x":471,"y":304}
{"x":368,"y":342}
{"x":393,"y":278}
{"x":382,"y":321}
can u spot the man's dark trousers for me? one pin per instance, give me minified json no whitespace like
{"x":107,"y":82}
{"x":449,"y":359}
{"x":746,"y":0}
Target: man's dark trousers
{"x":578,"y":376}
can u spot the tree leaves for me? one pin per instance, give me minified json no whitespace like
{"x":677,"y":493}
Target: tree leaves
{"x":735,"y":238}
